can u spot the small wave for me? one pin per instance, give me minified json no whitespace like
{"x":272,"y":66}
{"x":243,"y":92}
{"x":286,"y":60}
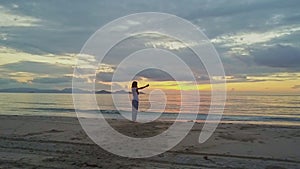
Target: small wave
{"x":169,"y":115}
{"x":35,"y":103}
{"x":50,"y":109}
{"x":57,"y":110}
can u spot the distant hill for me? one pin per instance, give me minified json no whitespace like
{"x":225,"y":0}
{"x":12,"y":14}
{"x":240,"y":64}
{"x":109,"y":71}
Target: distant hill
{"x":34,"y":90}
{"x":27,"y":90}
{"x":66,"y":90}
{"x":103,"y":92}
{"x":121,"y":92}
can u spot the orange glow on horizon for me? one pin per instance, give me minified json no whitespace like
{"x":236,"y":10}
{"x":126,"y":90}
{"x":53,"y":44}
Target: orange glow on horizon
{"x":264,"y":86}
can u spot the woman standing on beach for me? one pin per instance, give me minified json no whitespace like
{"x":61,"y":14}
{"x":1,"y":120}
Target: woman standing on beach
{"x":135,"y":100}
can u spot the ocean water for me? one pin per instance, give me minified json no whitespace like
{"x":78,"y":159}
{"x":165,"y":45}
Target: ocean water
{"x":252,"y":108}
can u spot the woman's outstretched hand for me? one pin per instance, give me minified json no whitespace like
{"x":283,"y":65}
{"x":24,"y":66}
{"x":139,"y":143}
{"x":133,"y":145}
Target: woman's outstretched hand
{"x":144,"y":86}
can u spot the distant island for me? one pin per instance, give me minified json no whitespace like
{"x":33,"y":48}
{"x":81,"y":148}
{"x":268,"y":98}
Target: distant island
{"x":66,"y":90}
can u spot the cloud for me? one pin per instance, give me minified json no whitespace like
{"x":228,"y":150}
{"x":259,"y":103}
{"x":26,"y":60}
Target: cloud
{"x":11,"y":19}
{"x":148,"y":74}
{"x":155,"y":75}
{"x":268,"y":77}
{"x":6,"y":81}
{"x":52,"y":80}
{"x":11,"y":55}
{"x":157,"y":40}
{"x":278,"y":56}
{"x":40,"y":38}
{"x":56,"y":80}
{"x":252,"y":38}
{"x":65,"y":31}
{"x":242,"y":45}
{"x":104,"y":77}
{"x":38,"y":68}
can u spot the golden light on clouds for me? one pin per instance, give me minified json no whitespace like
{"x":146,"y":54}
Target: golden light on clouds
{"x":263,"y":86}
{"x":272,"y":82}
{"x":166,"y":85}
{"x":22,"y":77}
{"x":9,"y":55}
{"x":281,"y":82}
{"x":259,"y":50}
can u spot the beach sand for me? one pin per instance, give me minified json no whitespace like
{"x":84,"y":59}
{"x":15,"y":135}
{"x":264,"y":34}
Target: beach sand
{"x":60,"y":142}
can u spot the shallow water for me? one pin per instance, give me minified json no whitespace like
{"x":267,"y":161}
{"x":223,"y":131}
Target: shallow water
{"x":240,"y":107}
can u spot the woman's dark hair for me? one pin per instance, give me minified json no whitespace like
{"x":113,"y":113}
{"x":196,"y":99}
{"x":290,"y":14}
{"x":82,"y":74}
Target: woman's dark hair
{"x":134,"y":84}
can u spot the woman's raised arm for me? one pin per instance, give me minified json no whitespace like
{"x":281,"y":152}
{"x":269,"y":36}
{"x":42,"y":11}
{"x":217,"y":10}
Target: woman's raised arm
{"x":143,"y":87}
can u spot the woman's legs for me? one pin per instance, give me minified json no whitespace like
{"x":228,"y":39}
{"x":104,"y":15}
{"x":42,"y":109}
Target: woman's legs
{"x":135,"y":107}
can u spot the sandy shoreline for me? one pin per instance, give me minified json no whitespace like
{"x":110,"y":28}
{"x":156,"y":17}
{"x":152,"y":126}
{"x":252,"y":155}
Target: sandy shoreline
{"x":60,"y":142}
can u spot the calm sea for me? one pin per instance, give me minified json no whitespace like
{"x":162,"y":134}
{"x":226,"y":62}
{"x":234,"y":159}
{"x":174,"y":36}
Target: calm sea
{"x":240,"y":108}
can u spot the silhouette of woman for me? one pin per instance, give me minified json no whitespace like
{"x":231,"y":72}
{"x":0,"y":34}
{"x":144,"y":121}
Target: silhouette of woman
{"x":135,"y":100}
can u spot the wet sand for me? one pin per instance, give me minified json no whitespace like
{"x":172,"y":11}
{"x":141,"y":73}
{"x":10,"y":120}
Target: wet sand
{"x":60,"y":142}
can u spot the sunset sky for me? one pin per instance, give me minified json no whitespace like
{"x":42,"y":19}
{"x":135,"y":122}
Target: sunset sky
{"x":258,"y":41}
